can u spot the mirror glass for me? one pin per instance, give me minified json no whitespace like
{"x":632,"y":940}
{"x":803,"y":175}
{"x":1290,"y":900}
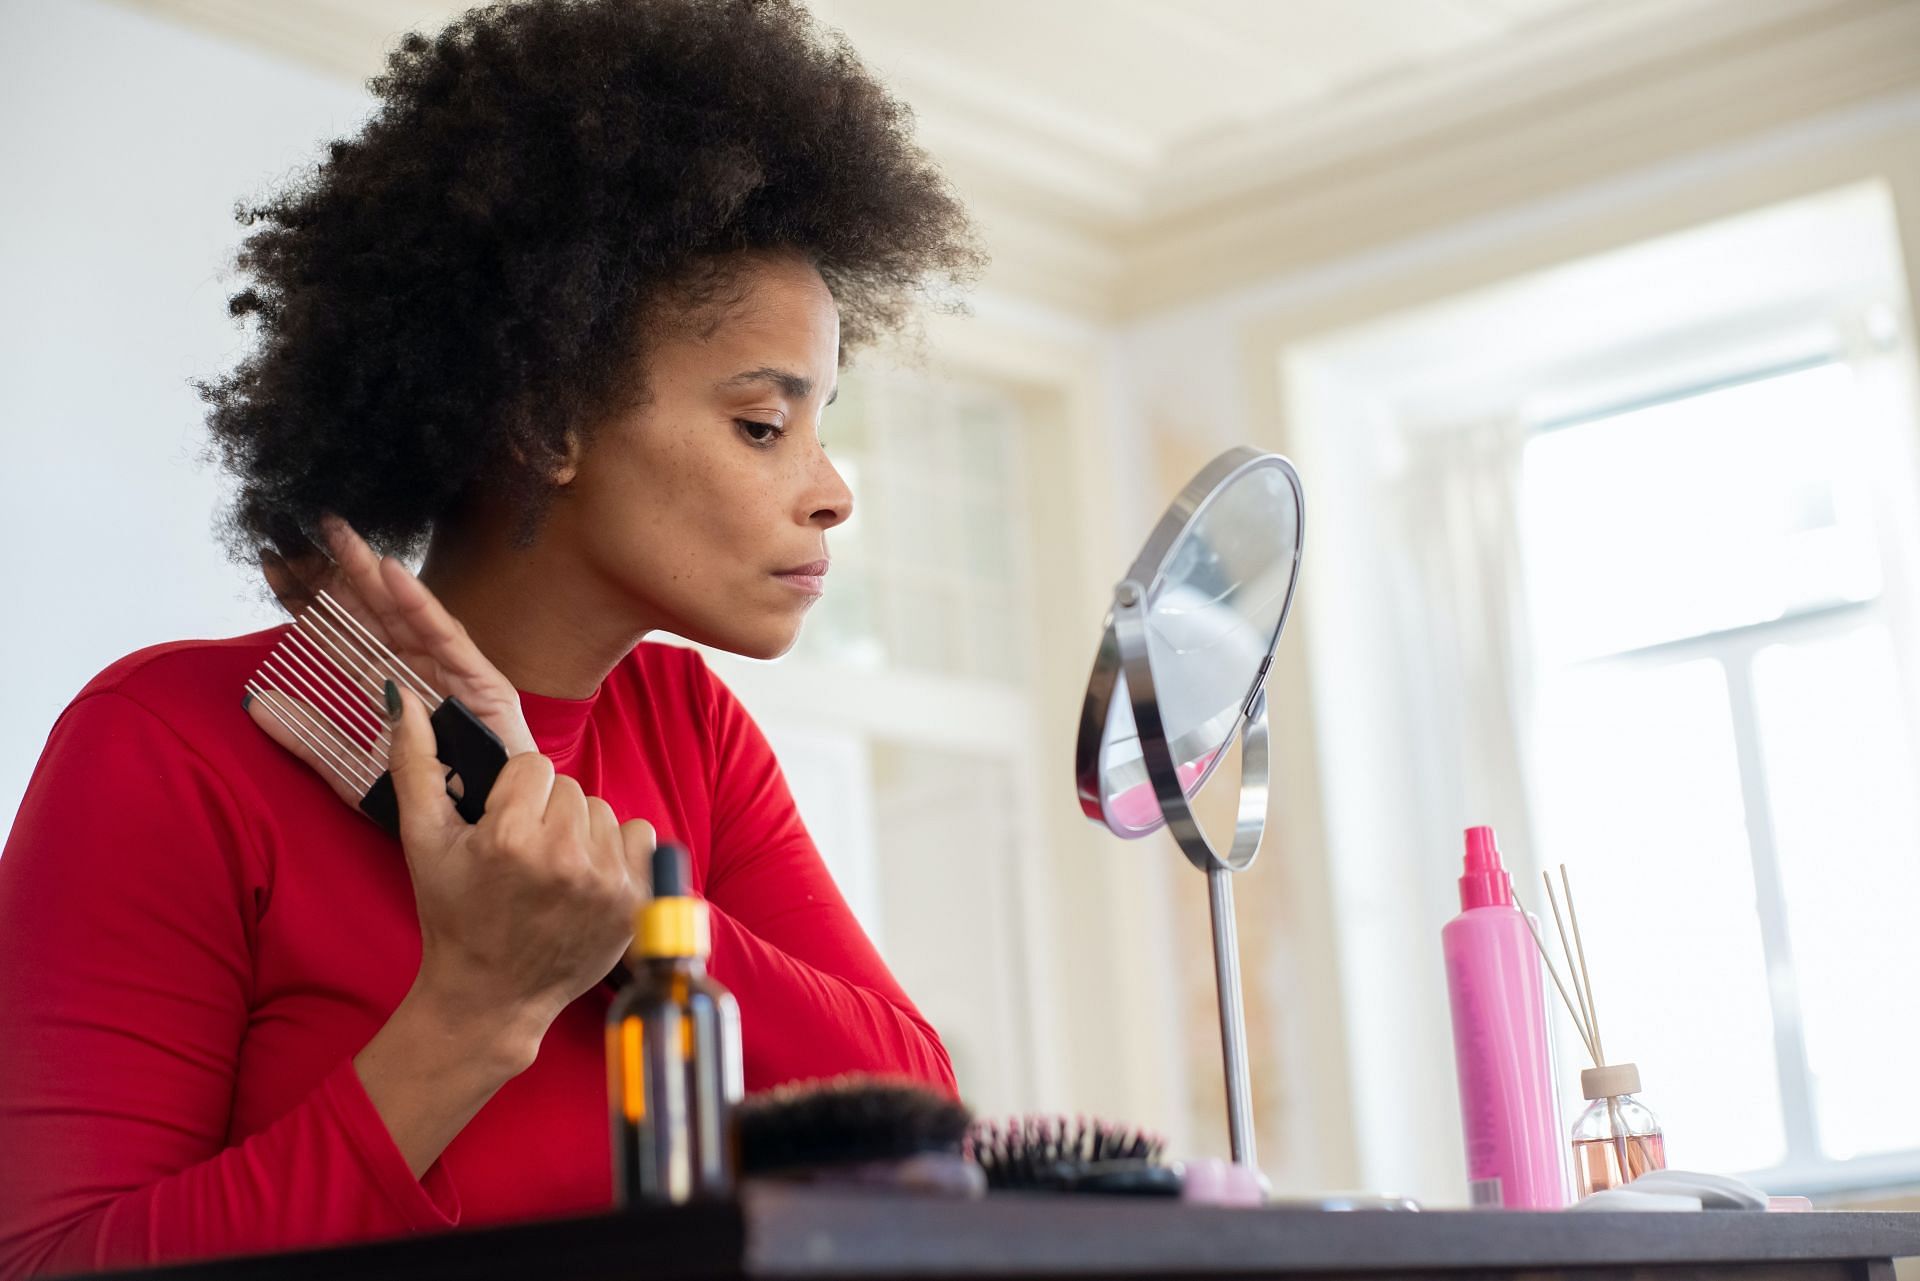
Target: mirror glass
{"x":1214,"y":612}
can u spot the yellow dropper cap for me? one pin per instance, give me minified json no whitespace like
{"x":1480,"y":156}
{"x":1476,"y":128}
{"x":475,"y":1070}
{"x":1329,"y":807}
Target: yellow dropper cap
{"x":672,"y":923}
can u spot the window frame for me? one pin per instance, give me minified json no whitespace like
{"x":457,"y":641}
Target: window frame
{"x":1806,"y":1169}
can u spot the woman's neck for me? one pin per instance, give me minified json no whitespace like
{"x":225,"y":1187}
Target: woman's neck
{"x":536,"y":612}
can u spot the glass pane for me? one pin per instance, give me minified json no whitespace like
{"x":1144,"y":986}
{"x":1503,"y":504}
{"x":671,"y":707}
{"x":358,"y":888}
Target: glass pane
{"x":1730,"y":507}
{"x":1841,"y":771}
{"x":1639,"y":793}
{"x":927,"y":573}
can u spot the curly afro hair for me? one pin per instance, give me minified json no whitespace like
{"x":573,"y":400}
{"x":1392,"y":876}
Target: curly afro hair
{"x":540,"y":188}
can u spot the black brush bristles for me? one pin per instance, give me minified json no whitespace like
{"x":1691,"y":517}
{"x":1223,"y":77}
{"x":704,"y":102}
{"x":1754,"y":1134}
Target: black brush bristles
{"x":1052,"y":1151}
{"x":846,"y":1121}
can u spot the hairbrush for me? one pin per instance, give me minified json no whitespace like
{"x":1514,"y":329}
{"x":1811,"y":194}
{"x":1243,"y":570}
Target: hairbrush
{"x":325,"y":682}
{"x":1055,"y":1154}
{"x":857,"y":1129}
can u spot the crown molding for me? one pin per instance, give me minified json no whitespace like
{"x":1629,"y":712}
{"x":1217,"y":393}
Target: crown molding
{"x":1809,"y":61}
{"x":1083,"y":218}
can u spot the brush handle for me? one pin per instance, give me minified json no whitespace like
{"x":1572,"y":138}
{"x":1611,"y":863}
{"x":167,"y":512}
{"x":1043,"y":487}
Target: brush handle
{"x":467,"y":748}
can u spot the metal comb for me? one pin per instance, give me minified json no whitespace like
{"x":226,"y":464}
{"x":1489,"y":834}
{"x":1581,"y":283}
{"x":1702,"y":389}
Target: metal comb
{"x":329,"y":673}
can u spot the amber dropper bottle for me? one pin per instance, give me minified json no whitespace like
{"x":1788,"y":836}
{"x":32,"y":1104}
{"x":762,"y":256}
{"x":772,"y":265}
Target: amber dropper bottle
{"x":673,"y":1054}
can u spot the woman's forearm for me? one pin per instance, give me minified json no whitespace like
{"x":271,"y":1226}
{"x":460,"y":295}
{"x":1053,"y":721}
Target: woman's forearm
{"x":428,"y":1070}
{"x":802,"y":1022}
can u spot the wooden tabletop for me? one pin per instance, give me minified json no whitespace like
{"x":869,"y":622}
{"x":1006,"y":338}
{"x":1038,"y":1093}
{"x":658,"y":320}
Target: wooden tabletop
{"x":778,"y":1231}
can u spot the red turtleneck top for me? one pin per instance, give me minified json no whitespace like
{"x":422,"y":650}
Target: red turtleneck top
{"x":196,"y":937}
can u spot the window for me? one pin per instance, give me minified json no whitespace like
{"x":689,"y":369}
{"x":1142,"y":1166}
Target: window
{"x":904,"y":718}
{"x":1724,"y":749}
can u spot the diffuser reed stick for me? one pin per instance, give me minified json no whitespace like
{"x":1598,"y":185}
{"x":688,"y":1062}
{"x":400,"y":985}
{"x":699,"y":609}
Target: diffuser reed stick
{"x":1584,"y":1010}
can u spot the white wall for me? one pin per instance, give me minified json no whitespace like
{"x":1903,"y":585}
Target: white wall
{"x":124,"y":143}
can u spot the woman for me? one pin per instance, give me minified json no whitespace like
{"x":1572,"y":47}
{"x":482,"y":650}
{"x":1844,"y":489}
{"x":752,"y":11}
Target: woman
{"x":565,"y":315}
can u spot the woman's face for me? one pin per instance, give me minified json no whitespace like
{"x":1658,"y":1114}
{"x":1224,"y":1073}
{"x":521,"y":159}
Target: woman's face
{"x":707,"y":508}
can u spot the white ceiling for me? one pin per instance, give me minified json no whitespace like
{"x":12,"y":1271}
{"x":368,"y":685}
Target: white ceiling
{"x":1139,"y":79}
{"x":1109,"y":104}
{"x":1115,"y":144}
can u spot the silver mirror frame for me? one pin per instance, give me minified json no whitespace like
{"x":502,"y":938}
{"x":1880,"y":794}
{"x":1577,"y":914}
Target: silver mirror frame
{"x":1250,"y":823}
{"x":1123,"y":649}
{"x":1128,"y":654}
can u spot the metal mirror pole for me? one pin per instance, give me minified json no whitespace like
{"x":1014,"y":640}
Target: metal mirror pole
{"x":1233,"y":1020}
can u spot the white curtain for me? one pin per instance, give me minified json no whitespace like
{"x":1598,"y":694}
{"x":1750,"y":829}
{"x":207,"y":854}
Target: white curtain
{"x":1463,"y":611}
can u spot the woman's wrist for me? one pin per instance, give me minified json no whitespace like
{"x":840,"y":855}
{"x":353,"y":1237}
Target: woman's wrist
{"x":435,"y":1063}
{"x":484,"y":1038}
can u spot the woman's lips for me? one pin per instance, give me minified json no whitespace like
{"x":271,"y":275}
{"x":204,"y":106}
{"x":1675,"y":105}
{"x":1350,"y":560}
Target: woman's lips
{"x":810,"y":578}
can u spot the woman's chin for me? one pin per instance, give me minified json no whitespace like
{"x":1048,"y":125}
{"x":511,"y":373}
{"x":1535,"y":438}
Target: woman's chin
{"x":764,"y":642}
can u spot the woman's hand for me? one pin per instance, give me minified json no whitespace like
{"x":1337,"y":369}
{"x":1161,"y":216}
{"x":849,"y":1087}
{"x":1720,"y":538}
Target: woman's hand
{"x":531,"y":906}
{"x":520,"y":914}
{"x":397,"y":607}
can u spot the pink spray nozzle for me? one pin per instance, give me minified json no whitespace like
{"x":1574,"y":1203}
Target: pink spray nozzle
{"x":1485,"y":882}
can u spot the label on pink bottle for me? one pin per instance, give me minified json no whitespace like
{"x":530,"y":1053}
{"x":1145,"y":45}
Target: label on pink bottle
{"x":1514,"y":1148}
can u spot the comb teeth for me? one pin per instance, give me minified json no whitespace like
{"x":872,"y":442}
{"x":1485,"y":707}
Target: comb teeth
{"x":325,"y":682}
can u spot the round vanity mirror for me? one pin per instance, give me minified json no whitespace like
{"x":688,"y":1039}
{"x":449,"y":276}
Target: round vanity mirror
{"x":1203,"y":605}
{"x":1179,"y":674}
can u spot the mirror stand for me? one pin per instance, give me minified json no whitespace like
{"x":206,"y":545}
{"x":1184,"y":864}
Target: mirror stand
{"x":1205,"y":601}
{"x":1250,"y":823}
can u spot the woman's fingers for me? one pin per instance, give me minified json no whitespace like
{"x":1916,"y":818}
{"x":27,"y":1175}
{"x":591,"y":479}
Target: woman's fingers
{"x":427,"y":814}
{"x":637,"y":841}
{"x":358,"y":579}
{"x":418,"y":627}
{"x":566,"y":820}
{"x":428,"y":625}
{"x":522,"y":788}
{"x":295,"y":583}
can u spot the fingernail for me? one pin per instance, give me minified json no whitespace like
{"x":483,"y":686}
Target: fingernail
{"x":246,"y":700}
{"x":393,"y":700}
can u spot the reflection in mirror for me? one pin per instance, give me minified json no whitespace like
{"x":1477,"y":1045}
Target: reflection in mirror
{"x":1214,"y":614}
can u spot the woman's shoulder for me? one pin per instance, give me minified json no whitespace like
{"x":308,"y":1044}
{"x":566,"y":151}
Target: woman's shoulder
{"x":187,"y":671}
{"x":180,"y":681}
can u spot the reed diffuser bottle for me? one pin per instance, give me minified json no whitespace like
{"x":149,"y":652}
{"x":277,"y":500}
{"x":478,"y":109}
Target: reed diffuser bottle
{"x":1617,"y":1139}
{"x":673,"y":1054}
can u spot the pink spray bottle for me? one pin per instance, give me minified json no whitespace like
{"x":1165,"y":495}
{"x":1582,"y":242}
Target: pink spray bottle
{"x":1516,"y":1156}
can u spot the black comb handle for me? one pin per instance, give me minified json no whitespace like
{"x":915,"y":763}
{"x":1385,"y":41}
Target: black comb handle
{"x":470,"y":750}
{"x":465,"y":747}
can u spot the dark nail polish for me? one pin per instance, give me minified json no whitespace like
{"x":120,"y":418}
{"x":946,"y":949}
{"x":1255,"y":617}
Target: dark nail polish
{"x":393,"y":701}
{"x":246,"y":700}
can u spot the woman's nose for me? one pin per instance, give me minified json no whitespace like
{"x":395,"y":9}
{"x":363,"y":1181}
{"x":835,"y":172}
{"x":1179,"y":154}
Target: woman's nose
{"x":829,"y":499}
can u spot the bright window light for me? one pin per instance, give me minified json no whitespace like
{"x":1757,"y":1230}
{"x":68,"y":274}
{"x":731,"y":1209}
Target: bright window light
{"x":1725,"y":755}
{"x":1718,"y":510}
{"x":1841,"y":771}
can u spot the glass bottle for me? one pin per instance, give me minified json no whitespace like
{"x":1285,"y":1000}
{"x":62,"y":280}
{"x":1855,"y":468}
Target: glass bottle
{"x":1617,"y":1139}
{"x":673,"y":1054}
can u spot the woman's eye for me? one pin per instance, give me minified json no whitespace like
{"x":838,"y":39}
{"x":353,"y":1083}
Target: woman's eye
{"x":758,"y":432}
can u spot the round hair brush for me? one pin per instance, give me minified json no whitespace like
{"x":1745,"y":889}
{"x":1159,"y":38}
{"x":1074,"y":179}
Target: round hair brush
{"x":856,"y":1129}
{"x":1056,"y":1154}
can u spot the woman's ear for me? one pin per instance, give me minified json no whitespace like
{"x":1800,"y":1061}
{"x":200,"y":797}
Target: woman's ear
{"x":573,"y":447}
{"x":563,"y":464}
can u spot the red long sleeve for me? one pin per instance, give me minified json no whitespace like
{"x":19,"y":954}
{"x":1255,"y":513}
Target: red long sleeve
{"x":129,"y":901}
{"x":785,"y":942}
{"x":196,"y":937}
